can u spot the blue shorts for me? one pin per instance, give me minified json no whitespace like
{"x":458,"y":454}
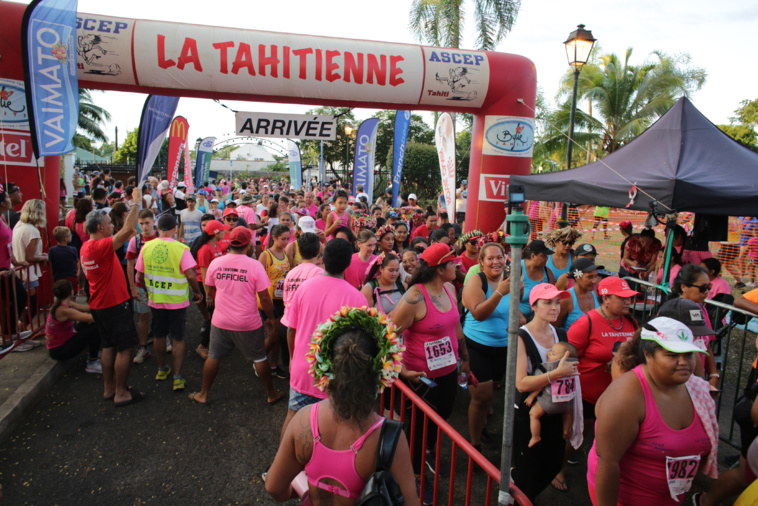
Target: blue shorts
{"x":298,"y":401}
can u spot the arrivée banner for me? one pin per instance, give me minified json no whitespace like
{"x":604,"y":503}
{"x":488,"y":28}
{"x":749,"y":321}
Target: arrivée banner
{"x":292,"y":126}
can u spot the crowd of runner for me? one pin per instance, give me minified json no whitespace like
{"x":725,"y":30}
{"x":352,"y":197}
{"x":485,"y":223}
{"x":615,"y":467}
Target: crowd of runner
{"x":302,"y":256}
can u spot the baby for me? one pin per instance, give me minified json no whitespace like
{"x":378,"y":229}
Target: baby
{"x":546,"y":404}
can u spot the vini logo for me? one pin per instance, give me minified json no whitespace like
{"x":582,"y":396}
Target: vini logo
{"x":492,"y":187}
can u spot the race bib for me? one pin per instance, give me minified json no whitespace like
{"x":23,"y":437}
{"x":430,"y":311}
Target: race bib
{"x":680,"y":471}
{"x":439,"y":353}
{"x":563,"y":389}
{"x":279,"y":289}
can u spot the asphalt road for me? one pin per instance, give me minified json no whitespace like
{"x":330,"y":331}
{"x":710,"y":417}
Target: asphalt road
{"x":78,"y":449}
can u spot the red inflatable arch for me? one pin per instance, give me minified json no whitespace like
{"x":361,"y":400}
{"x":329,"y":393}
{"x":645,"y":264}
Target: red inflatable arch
{"x":165,"y":58}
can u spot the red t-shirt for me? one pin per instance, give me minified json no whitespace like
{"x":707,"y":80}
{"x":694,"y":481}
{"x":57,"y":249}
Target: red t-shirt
{"x":205,"y":256}
{"x":102,"y":268}
{"x":596,"y":351}
{"x":422,"y":231}
{"x":467,"y":262}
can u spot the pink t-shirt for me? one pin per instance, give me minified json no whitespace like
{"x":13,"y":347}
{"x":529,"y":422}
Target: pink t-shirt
{"x":238,"y":279}
{"x":312,"y":211}
{"x":248,"y":214}
{"x":297,"y":277}
{"x":752,"y":246}
{"x":307,"y":308}
{"x":187,"y":262}
{"x":356,"y":273}
{"x":718,"y":285}
{"x":132,"y":254}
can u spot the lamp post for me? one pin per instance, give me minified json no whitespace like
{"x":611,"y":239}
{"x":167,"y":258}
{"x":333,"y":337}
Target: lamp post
{"x":349,"y":131}
{"x":578,"y":48}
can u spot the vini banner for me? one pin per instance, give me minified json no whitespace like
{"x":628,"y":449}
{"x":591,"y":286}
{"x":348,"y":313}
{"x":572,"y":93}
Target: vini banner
{"x":153,"y":126}
{"x":203,"y":162}
{"x":363,"y":168}
{"x":444,"y":140}
{"x":296,"y":168}
{"x":48,"y":44}
{"x":402,"y":124}
{"x":177,"y":140}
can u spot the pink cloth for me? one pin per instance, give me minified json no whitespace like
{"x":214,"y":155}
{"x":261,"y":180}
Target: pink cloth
{"x":248,"y":214}
{"x":643,"y":477}
{"x":752,"y":246}
{"x":344,"y":221}
{"x":187,"y":262}
{"x":132,"y":254}
{"x":238,"y":279}
{"x":356,"y":273}
{"x":307,"y":308}
{"x":718,"y":285}
{"x":312,"y":211}
{"x":321,"y":224}
{"x":296,"y":277}
{"x":695,"y":257}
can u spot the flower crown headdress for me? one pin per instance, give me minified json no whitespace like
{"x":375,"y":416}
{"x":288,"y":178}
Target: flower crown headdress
{"x":474,"y":234}
{"x":379,"y":259}
{"x":386,"y":364}
{"x":384,"y":229}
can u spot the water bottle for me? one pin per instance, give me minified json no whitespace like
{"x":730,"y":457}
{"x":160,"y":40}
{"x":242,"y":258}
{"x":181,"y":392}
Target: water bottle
{"x":463,"y":380}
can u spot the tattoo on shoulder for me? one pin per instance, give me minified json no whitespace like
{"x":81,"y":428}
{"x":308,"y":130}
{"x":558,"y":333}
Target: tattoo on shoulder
{"x":303,"y":440}
{"x":413,"y":296}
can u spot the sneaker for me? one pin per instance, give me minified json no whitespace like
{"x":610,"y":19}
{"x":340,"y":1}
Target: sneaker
{"x":24,"y":346}
{"x":280,"y":373}
{"x":697,"y":499}
{"x":179,"y":384}
{"x":163,"y":374}
{"x":94,"y":367}
{"x":428,"y":498}
{"x":740,"y":285}
{"x":22,"y":335}
{"x":143,"y":353}
{"x":751,"y":284}
{"x":35,"y":343}
{"x":169,"y":346}
{"x":444,"y":469}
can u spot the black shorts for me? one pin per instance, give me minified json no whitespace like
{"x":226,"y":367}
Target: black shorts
{"x":589,"y":410}
{"x":116,"y":327}
{"x":486,"y":362}
{"x":278,"y":310}
{"x":167,"y":322}
{"x":728,"y":251}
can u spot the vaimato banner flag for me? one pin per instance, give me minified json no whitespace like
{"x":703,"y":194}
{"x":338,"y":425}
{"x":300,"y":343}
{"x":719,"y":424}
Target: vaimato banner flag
{"x":188,"y":169}
{"x":402,"y":124}
{"x":363,"y":168}
{"x":177,"y":139}
{"x":49,"y":60}
{"x":444,"y":140}
{"x":203,"y":162}
{"x":153,"y":127}
{"x":296,"y":168}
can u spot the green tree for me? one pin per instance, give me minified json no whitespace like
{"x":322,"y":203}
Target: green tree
{"x":624,"y":99}
{"x":91,"y":121}
{"x":421,"y":170}
{"x":418,"y":131}
{"x":742,"y":127}
{"x":127,"y":152}
{"x":335,"y":152}
{"x":441,"y":22}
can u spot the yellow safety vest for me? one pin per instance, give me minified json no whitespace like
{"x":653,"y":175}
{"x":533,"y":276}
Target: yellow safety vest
{"x":164,"y":279}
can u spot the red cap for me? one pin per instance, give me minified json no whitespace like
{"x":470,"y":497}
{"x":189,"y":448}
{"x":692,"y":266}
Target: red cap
{"x":615,"y":286}
{"x":214,"y":226}
{"x":626,"y":224}
{"x":240,"y":237}
{"x":546,"y":291}
{"x":437,"y":254}
{"x":231,"y":210}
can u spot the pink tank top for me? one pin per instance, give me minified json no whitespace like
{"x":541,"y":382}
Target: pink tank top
{"x":431,"y":345}
{"x":336,"y":465}
{"x":643,"y":474}
{"x":342,"y":221}
{"x":58,"y":333}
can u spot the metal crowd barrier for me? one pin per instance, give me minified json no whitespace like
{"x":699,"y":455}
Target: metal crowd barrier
{"x":734,"y":349}
{"x":30,"y":312}
{"x":481,"y":476}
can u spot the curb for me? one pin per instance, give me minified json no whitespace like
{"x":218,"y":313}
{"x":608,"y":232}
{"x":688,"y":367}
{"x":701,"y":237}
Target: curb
{"x":14,"y":411}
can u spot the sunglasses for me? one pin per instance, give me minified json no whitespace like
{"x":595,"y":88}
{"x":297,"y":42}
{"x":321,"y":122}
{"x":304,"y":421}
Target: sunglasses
{"x":702,"y":288}
{"x":231,"y":218}
{"x":568,"y":243}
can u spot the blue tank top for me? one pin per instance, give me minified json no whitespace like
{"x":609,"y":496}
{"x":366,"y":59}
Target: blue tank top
{"x":494,"y":330}
{"x":556,"y":271}
{"x":576,"y":313}
{"x":529,"y":283}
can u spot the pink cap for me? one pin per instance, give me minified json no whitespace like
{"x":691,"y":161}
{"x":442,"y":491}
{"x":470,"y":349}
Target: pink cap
{"x":546,"y":291}
{"x":615,"y":286}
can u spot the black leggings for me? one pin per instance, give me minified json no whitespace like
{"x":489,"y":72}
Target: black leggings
{"x":86,"y":335}
{"x":441,"y":399}
{"x":205,"y":334}
{"x":11,"y":303}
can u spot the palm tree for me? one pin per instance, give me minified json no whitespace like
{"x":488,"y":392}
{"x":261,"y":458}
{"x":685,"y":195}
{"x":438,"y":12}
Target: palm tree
{"x":91,"y":120}
{"x":626,"y":98}
{"x":440,"y":22}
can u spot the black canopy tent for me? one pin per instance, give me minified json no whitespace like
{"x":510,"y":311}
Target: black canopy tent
{"x":683,"y":161}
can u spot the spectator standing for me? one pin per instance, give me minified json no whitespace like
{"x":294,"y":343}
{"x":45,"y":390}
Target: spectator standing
{"x":189,"y":229}
{"x":139,"y":295}
{"x":64,"y":259}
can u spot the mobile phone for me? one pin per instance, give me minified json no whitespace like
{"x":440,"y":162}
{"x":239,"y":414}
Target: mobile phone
{"x":715,"y":393}
{"x":427,"y":381}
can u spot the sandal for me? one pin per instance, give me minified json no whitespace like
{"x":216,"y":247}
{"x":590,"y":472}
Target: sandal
{"x":195,"y":401}
{"x":561,"y":487}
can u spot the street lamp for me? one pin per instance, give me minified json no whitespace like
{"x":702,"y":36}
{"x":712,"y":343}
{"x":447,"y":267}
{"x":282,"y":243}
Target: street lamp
{"x":349,"y":131}
{"x":578,"y":48}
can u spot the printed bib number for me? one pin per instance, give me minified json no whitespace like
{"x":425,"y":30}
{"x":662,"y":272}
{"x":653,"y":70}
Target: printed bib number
{"x":563,"y":389}
{"x":680,"y":471}
{"x":279,"y":289}
{"x":439,"y":353}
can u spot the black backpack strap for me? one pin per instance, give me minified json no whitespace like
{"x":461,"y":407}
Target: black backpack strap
{"x":388,"y":438}
{"x":483,"y":279}
{"x":531,"y":351}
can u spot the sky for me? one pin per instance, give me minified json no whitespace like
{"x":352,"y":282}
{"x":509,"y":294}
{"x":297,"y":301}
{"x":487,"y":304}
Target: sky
{"x":718,"y":36}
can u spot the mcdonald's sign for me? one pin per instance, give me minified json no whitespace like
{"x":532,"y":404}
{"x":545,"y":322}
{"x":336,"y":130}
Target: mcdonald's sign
{"x":177,"y":141}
